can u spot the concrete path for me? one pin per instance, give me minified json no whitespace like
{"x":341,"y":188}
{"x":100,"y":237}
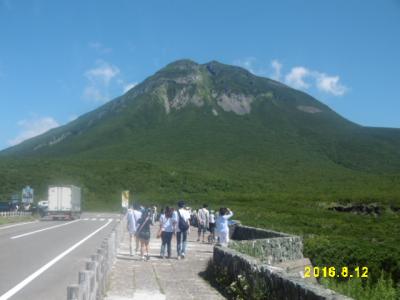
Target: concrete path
{"x":160,"y":279}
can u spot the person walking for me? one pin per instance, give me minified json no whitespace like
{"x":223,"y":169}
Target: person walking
{"x":181,"y":223}
{"x":211,"y":226}
{"x":203,"y":216}
{"x":167,"y":231}
{"x":222,"y":225}
{"x":143,"y":233}
{"x":131,"y":226}
{"x":193,"y":218}
{"x":137,"y":214}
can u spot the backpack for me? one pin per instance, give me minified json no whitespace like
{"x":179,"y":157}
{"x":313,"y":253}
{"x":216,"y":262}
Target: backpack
{"x":183,"y":226}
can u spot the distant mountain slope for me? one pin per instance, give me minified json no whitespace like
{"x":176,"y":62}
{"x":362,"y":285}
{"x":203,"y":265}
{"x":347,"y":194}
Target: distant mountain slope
{"x":218,"y":115}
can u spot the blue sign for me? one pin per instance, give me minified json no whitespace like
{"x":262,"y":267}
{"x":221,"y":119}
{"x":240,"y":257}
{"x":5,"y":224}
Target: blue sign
{"x":27,"y":195}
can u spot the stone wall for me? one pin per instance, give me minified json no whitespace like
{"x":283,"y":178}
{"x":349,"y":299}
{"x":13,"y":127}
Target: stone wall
{"x":240,"y":232}
{"x":272,"y":264}
{"x":266,"y":281}
{"x":272,"y":250}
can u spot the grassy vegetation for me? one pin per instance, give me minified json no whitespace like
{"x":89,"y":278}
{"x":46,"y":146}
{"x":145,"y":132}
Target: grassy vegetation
{"x":16,"y":219}
{"x":383,"y":289}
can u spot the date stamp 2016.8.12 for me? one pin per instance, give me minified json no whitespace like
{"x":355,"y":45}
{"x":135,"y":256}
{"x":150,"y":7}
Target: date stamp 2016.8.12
{"x":333,"y":272}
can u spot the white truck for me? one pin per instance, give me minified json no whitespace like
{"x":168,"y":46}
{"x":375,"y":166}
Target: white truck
{"x":64,"y":202}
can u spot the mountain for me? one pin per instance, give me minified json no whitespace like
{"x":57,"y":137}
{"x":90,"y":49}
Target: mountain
{"x":214,"y":124}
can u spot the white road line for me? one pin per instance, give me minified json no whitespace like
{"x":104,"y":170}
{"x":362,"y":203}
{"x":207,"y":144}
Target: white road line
{"x":31,"y":277}
{"x":94,"y":219}
{"x":18,"y":224}
{"x":44,"y":229}
{"x":86,"y":219}
{"x":102,"y":219}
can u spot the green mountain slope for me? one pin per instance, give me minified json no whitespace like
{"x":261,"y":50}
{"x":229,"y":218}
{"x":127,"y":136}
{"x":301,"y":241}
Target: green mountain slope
{"x":191,"y":114}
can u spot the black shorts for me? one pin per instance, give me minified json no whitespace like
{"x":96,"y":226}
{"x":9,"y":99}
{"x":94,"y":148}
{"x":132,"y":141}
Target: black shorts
{"x":144,"y":235}
{"x":212,"y":227}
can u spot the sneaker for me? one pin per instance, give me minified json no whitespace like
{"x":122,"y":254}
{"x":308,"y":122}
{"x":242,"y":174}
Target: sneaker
{"x":143,"y":258}
{"x":183,"y":256}
{"x":179,"y":257}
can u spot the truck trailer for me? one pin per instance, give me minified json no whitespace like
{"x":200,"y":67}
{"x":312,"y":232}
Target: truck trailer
{"x":64,"y":202}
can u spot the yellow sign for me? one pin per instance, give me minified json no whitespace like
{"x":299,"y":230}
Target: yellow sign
{"x":125,"y":199}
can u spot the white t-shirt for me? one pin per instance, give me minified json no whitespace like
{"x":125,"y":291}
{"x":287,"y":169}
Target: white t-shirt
{"x":137,"y":214}
{"x":212,"y":218}
{"x":222,"y":222}
{"x":184,"y":214}
{"x":131,"y":222}
{"x":167,"y":224}
{"x":203,"y":216}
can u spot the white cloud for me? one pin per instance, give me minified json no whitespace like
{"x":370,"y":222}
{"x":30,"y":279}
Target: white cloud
{"x":330,"y":84}
{"x":104,"y":72}
{"x":322,"y":81}
{"x":32,"y":127}
{"x":99,"y":47}
{"x":99,"y":79}
{"x":296,"y":78}
{"x":299,"y":77}
{"x":277,"y":66}
{"x":129,"y":86}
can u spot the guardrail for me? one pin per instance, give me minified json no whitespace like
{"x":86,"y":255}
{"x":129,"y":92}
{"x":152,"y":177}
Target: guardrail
{"x":15,"y":213}
{"x":92,"y":282}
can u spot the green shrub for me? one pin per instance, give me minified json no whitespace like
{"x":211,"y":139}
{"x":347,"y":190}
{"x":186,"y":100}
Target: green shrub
{"x":358,"y":289}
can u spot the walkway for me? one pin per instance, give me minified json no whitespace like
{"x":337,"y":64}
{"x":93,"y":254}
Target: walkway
{"x":159,"y":279}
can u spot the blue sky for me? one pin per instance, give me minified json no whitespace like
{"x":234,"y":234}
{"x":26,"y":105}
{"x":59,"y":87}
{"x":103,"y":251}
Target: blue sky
{"x":60,"y":59}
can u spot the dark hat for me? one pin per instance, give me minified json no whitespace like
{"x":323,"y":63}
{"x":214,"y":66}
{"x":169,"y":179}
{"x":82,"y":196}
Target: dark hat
{"x":181,"y":203}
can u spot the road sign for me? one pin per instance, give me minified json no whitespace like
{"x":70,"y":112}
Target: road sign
{"x":125,"y":199}
{"x":27,"y":195}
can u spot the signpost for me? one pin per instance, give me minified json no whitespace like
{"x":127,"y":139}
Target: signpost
{"x":27,"y":195}
{"x":125,"y":199}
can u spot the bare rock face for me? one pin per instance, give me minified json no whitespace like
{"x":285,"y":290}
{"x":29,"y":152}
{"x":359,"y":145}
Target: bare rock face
{"x":237,"y":103}
{"x":181,"y":99}
{"x":309,"y":109}
{"x":192,"y":78}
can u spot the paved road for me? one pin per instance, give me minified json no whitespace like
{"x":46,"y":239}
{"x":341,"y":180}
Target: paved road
{"x":162,"y":279}
{"x":38,"y":260}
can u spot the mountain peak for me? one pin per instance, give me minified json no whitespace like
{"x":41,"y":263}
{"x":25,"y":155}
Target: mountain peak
{"x":182,"y":64}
